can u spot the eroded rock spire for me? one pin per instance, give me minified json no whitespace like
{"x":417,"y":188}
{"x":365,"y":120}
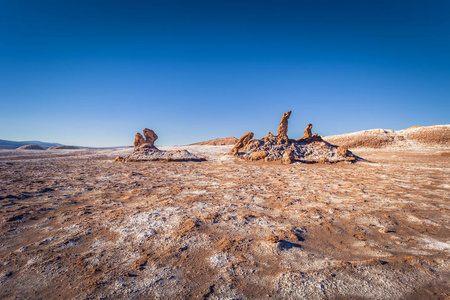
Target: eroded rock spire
{"x":283,"y":127}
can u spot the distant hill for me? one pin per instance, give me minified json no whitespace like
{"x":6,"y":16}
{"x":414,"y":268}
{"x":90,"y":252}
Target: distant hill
{"x":31,"y":147}
{"x":5,"y":144}
{"x":218,"y":142}
{"x":436,"y":135}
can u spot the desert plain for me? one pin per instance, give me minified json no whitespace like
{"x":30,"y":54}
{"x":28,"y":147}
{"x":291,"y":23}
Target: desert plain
{"x":77,"y":225}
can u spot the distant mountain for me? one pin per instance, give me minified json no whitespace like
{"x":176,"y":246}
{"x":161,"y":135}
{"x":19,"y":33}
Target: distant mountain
{"x":219,"y":142}
{"x":436,"y":135}
{"x":5,"y":144}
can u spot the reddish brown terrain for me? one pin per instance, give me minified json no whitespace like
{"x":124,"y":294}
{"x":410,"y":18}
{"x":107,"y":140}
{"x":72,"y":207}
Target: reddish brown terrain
{"x":218,"y":142}
{"x":76,"y":224}
{"x":417,"y":136}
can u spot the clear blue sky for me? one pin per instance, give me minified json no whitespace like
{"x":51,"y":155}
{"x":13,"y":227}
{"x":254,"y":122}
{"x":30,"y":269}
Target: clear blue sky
{"x":94,"y":73}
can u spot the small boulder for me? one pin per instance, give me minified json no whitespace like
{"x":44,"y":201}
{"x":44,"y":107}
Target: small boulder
{"x":258,"y":155}
{"x":342,"y":151}
{"x":273,"y":238}
{"x":119,"y":159}
{"x":288,"y":156}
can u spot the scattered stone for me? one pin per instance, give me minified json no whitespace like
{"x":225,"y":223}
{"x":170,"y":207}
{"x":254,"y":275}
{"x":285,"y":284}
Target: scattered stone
{"x":273,"y":238}
{"x":119,"y":159}
{"x":350,"y":159}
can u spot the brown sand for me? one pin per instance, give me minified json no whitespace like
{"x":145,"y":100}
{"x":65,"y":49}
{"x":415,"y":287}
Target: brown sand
{"x":74,"y":224}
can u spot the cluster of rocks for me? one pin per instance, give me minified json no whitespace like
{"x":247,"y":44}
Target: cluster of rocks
{"x":309,"y":148}
{"x":145,"y":150}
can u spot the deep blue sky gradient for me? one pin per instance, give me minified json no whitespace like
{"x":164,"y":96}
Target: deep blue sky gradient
{"x":94,"y":73}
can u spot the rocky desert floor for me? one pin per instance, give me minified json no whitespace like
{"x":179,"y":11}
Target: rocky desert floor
{"x":75,"y":224}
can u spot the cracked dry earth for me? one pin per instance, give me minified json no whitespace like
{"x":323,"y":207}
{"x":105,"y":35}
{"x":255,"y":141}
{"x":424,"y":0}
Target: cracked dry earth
{"x":74,"y":224}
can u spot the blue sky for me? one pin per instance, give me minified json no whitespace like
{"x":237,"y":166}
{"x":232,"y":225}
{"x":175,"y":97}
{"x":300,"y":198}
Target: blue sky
{"x":94,"y":73}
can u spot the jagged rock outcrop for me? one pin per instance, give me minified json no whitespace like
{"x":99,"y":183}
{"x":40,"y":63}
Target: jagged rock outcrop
{"x":307,"y":132}
{"x":309,"y":148}
{"x":283,"y":127}
{"x":145,"y":150}
{"x":268,"y":136}
{"x":138,"y":140}
{"x":242,"y":142}
{"x":147,"y":142}
{"x":308,"y":136}
{"x":150,"y":137}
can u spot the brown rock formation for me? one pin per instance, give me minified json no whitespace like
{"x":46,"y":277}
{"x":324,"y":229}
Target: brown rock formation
{"x":288,"y":156}
{"x":267,"y":137}
{"x":258,"y":155}
{"x":150,"y":137}
{"x":273,"y":238}
{"x":145,"y":150}
{"x":308,"y":136}
{"x":147,"y":142}
{"x":283,"y":127}
{"x":307,"y":133}
{"x":308,"y":149}
{"x":242,"y":142}
{"x":120,"y":159}
{"x":138,"y":140}
{"x":342,"y":150}
{"x":316,"y":137}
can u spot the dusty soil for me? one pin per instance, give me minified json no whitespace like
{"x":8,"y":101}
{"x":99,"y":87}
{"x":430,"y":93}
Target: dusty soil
{"x":74,"y":224}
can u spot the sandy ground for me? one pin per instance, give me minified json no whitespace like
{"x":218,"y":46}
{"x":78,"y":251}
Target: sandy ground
{"x":74,"y":224}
